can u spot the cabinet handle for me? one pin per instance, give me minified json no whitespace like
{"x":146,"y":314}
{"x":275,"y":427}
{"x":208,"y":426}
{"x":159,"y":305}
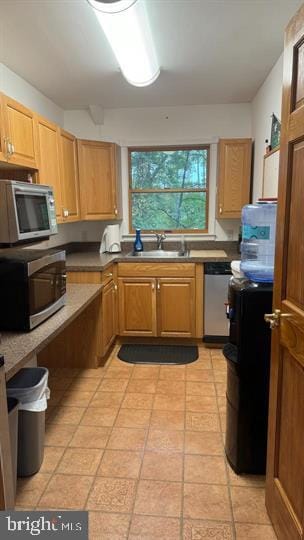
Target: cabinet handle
{"x":115,"y":211}
{"x":5,"y":147}
{"x":115,"y":288}
{"x":158,"y":286}
{"x":65,"y":212}
{"x":110,"y":274}
{"x":153,"y":287}
{"x":221,"y":209}
{"x":12,"y":148}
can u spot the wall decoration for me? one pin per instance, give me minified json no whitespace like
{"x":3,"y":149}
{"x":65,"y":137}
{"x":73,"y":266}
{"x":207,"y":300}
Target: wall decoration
{"x":275,"y":132}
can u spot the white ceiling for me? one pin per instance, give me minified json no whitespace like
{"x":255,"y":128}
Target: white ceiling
{"x":210,"y":51}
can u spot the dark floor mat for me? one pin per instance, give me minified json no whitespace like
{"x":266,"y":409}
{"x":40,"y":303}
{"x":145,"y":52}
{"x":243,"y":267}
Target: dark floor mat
{"x":158,"y":354}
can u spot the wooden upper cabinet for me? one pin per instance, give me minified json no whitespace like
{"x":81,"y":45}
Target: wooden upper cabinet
{"x":234,"y":175}
{"x":98,"y":180}
{"x":176,"y":307}
{"x":49,"y":160}
{"x":69,"y":177}
{"x":19,"y":133}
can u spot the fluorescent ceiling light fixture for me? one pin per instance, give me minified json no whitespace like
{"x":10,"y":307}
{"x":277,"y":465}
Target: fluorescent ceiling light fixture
{"x":126,"y":25}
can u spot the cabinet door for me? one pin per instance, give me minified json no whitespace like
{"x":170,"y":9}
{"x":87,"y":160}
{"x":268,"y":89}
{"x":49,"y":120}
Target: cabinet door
{"x":97,"y":177}
{"x":176,"y":307}
{"x":137,"y":307}
{"x":49,"y":168}
{"x":69,"y":177}
{"x":234,"y":173}
{"x":108,"y":316}
{"x":19,"y":127}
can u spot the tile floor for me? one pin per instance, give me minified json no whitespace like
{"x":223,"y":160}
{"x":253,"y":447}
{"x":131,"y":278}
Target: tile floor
{"x":141,"y":448}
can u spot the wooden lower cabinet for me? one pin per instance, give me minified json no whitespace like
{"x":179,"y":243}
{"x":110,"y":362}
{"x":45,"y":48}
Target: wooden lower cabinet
{"x":176,"y":307}
{"x":137,"y":306}
{"x":163,"y":307}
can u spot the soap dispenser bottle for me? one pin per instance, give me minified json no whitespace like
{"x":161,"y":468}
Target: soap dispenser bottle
{"x":138,"y":245}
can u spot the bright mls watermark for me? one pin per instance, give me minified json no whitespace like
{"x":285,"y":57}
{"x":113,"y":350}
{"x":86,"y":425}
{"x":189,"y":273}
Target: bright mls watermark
{"x":44,"y":525}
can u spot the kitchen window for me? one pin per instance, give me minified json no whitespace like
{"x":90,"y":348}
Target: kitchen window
{"x":168,"y":189}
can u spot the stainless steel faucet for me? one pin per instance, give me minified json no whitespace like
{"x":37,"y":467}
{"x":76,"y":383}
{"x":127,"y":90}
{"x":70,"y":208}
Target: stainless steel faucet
{"x":160,"y":238}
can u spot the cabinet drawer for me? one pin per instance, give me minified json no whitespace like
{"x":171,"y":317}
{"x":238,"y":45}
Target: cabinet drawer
{"x":144,"y":269}
{"x":107,"y":275}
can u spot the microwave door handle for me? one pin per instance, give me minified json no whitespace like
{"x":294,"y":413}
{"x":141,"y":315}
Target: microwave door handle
{"x":37,"y":264}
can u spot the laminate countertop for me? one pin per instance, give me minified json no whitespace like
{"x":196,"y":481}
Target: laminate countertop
{"x":19,"y":347}
{"x":96,"y":262}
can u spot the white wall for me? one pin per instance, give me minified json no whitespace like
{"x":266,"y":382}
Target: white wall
{"x":169,"y":125}
{"x":267,"y":101}
{"x":17,"y":88}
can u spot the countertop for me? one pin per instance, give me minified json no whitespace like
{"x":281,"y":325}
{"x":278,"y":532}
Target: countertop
{"x":95,"y":261}
{"x":19,"y":347}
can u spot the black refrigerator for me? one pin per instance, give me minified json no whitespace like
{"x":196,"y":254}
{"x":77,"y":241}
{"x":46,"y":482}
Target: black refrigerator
{"x":248,"y":367}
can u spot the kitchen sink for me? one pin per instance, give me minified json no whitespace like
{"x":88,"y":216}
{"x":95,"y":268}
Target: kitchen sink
{"x":158,"y":254}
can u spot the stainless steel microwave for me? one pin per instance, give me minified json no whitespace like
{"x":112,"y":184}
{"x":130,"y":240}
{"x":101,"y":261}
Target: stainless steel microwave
{"x":32,"y":287}
{"x":27,"y":212}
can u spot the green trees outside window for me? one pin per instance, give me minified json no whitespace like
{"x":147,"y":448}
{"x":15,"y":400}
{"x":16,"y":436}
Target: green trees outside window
{"x":169,"y":188}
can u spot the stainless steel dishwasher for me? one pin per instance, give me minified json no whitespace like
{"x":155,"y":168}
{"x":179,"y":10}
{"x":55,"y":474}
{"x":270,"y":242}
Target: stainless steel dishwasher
{"x":216,"y":324}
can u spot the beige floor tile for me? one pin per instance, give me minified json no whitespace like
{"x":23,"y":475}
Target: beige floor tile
{"x":246,"y":480}
{"x":134,"y":418}
{"x":112,"y":495}
{"x":220,"y":375}
{"x":145,"y":372}
{"x":59,"y":383}
{"x":84,"y":384}
{"x":120,"y":464}
{"x":167,"y":420}
{"x":90,"y":437}
{"x":99,"y":416}
{"x":169,"y":402}
{"x":113,"y":385}
{"x":66,"y":492}
{"x":246,"y":531}
{"x":200,"y":388}
{"x":51,"y":458}
{"x":58,"y":435}
{"x":137,"y":401}
{"x":162,"y":466}
{"x":207,"y":530}
{"x":158,"y":498}
{"x":170,"y":387}
{"x":29,"y":490}
{"x":142,"y":386}
{"x":169,"y":441}
{"x":204,"y":501}
{"x":84,"y":461}
{"x":55,"y":397}
{"x":205,"y":443}
{"x":220,"y":389}
{"x":248,"y":504}
{"x":201,"y":404}
{"x":119,"y":372}
{"x":205,"y":469}
{"x":154,"y":528}
{"x":76,"y":398}
{"x":96,"y":373}
{"x":106,"y":526}
{"x":173,"y":373}
{"x":202,"y":421}
{"x":66,"y":415}
{"x":107,"y":399}
{"x":199,"y":375}
{"x":127,"y":439}
{"x":219,"y":363}
{"x":203,"y":362}
{"x":116,"y":362}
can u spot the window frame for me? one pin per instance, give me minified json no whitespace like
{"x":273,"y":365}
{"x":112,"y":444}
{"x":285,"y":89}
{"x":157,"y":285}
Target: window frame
{"x":169,"y":190}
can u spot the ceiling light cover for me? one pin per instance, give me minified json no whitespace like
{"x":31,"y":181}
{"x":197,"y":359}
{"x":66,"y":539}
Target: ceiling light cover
{"x":129,"y":34}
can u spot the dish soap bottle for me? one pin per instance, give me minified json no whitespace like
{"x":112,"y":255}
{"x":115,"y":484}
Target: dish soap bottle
{"x":138,"y":245}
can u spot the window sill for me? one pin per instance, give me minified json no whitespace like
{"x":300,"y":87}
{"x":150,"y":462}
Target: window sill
{"x":188,"y":236}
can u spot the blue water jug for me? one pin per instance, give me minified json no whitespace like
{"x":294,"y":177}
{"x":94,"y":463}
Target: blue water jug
{"x":138,"y":245}
{"x":258,"y":241}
